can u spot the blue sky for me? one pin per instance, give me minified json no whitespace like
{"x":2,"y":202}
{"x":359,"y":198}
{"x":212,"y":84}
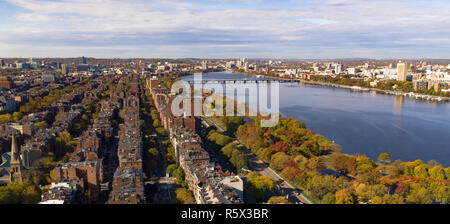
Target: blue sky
{"x":302,"y":29}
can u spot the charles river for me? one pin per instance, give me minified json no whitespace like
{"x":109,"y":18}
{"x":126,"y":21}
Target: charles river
{"x":365,"y":122}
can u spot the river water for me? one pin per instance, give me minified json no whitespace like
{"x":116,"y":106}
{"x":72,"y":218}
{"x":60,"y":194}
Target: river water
{"x":366,"y":122}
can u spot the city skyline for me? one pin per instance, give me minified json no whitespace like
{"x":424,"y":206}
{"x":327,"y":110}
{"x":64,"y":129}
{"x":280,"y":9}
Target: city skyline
{"x":225,"y":28}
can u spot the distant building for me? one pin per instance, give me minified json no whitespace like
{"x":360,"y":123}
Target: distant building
{"x":64,"y":69}
{"x":402,"y":71}
{"x":48,"y":78}
{"x":420,"y":85}
{"x":6,"y":82}
{"x":338,"y":68}
{"x":437,"y":86}
{"x":83,"y":68}
{"x":83,"y":60}
{"x":204,"y":65}
{"x":153,"y":83}
{"x":352,"y":71}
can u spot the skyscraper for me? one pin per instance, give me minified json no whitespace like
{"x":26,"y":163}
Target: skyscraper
{"x":2,"y":63}
{"x":83,"y":60}
{"x":402,"y":71}
{"x":64,"y":69}
{"x":204,"y":65}
{"x":338,"y":68}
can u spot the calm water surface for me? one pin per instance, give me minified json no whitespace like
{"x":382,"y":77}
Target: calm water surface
{"x":366,"y":122}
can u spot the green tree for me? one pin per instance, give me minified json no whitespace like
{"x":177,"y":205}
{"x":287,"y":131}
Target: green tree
{"x":16,"y":116}
{"x":40,"y":125}
{"x":278,"y":200}
{"x":19,"y":193}
{"x":364,"y":164}
{"x":171,"y":168}
{"x":419,"y":195}
{"x":344,"y":196}
{"x":239,"y":160}
{"x":329,"y":198}
{"x":437,"y":172}
{"x":447,"y":172}
{"x":161,"y":132}
{"x":184,"y":196}
{"x":440,"y":192}
{"x":260,"y":186}
{"x":421,"y":171}
{"x":157,"y":123}
{"x":179,"y":176}
{"x":278,"y":160}
{"x":384,"y":157}
{"x":63,"y":143}
{"x":366,"y":193}
{"x":388,"y":199}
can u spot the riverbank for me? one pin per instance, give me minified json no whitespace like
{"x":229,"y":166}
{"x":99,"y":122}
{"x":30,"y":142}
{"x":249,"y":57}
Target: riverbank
{"x":381,"y":91}
{"x":413,"y":95}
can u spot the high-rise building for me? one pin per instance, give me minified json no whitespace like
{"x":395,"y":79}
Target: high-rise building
{"x":204,"y":65}
{"x":64,"y":69}
{"x":338,"y":68}
{"x":2,"y":63}
{"x":328,"y":66}
{"x":83,"y":60}
{"x":402,"y":71}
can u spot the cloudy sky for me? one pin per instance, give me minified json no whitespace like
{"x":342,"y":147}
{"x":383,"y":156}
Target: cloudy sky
{"x":302,"y":29}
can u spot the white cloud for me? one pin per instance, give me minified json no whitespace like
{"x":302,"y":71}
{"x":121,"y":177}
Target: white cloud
{"x":187,"y":25}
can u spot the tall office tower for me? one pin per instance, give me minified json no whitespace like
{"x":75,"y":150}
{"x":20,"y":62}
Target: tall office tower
{"x":338,"y":68}
{"x":246,"y":66}
{"x":238,"y":64}
{"x":83,"y":60}
{"x":204,"y":65}
{"x":2,"y":63}
{"x":63,"y":69}
{"x":402,"y":71}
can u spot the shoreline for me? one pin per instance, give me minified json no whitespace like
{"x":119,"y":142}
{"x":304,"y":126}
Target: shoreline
{"x":417,"y":96}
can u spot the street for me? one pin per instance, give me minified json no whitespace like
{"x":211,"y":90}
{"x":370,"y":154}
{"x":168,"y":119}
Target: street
{"x":257,"y":165}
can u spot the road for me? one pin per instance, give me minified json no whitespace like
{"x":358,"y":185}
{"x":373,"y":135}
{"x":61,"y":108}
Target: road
{"x":284,"y":188}
{"x":257,"y":165}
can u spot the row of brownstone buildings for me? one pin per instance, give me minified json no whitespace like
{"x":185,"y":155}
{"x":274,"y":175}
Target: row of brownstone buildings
{"x":207,"y":181}
{"x":90,"y":166}
{"x":128,"y":180}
